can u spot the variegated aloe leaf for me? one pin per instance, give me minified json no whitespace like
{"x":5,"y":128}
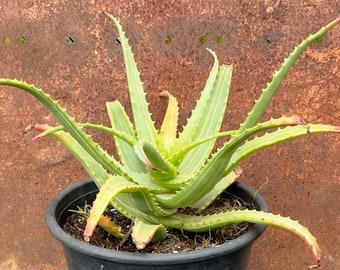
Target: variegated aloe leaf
{"x":211,"y":222}
{"x":145,"y":129}
{"x":261,"y":104}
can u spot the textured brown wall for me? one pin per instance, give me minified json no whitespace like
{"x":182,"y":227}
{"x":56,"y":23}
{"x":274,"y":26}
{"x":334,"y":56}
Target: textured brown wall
{"x":299,"y":179}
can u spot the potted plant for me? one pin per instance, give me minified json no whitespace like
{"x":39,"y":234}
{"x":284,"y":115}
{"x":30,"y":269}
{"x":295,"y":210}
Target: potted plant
{"x":162,"y":173}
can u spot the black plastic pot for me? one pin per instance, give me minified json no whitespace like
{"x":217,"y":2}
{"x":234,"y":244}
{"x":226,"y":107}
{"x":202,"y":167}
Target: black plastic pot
{"x":79,"y":255}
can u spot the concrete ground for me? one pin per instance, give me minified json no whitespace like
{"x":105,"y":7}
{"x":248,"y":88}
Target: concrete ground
{"x":68,"y":48}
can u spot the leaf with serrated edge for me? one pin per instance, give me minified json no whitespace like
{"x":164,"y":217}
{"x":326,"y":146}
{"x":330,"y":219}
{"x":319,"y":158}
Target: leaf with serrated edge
{"x":109,"y":226}
{"x":222,"y":185}
{"x":261,"y":104}
{"x":138,"y":196}
{"x":210,"y":122}
{"x":276,"y":137}
{"x":201,"y":174}
{"x":69,"y":125}
{"x":96,"y":170}
{"x":145,"y":129}
{"x":160,"y":168}
{"x":282,"y":121}
{"x":212,"y":172}
{"x":211,"y":222}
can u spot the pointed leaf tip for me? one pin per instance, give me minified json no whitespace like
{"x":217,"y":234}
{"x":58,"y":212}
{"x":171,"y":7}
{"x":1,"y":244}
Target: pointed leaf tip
{"x":317,"y":253}
{"x":333,"y":23}
{"x":88,"y":232}
{"x":336,"y":129}
{"x":143,"y":233}
{"x":211,"y":51}
{"x":293,"y":120}
{"x":138,"y":149}
{"x":109,"y":226}
{"x":164,"y":94}
{"x":168,"y":131}
{"x":43,"y":128}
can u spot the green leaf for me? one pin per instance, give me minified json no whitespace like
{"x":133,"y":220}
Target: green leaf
{"x":261,"y":104}
{"x":92,"y":166}
{"x":190,"y":129}
{"x":113,"y":186}
{"x":99,"y":174}
{"x":120,"y":121}
{"x":276,"y":137}
{"x":212,"y":222}
{"x":69,"y":125}
{"x":104,"y":222}
{"x":143,"y":233}
{"x":282,"y":121}
{"x":214,"y":170}
{"x":178,"y":156}
{"x":110,"y":227}
{"x":158,"y":166}
{"x":133,"y":199}
{"x":127,"y":139}
{"x":208,"y":116}
{"x":88,"y":162}
{"x":145,"y":129}
{"x":222,"y":185}
{"x":144,"y":179}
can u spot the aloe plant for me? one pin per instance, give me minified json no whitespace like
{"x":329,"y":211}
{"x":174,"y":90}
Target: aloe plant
{"x":160,"y":171}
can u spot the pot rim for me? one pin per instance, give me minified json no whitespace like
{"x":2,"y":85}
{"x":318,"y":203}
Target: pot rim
{"x":54,"y":211}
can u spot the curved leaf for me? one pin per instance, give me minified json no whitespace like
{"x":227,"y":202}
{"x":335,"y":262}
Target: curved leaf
{"x":276,"y":137}
{"x":261,"y":104}
{"x":211,"y":222}
{"x":213,"y":171}
{"x":138,"y":198}
{"x":69,"y":124}
{"x":190,"y":129}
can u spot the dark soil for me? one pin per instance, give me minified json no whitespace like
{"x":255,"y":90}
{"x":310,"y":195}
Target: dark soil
{"x":176,"y":241}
